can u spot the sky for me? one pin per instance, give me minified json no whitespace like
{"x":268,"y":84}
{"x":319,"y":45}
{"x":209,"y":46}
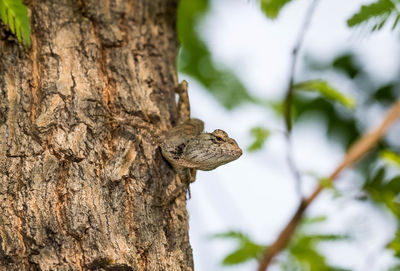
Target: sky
{"x":256,"y":194}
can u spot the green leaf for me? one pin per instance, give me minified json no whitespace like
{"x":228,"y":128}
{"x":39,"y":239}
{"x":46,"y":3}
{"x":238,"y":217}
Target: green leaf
{"x":347,"y":64}
{"x":384,"y":192}
{"x":327,"y":237}
{"x":395,"y":244}
{"x":303,"y":250}
{"x":277,"y":106}
{"x":368,"y":12}
{"x":231,"y":235}
{"x":326,"y":90}
{"x":394,"y":185}
{"x":271,"y":8}
{"x":396,"y":21}
{"x":15,"y":14}
{"x":326,"y":183}
{"x":312,"y":220}
{"x":246,"y":250}
{"x":260,"y":135}
{"x":378,"y":12}
{"x":377,"y":180}
{"x":390,"y":157}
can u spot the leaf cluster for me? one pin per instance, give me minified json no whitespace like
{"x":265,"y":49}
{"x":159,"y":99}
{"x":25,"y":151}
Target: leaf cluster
{"x":384,"y":191}
{"x":301,"y":254}
{"x":246,"y":249}
{"x":271,"y":8}
{"x":377,"y":14}
{"x":15,"y":14}
{"x":342,"y":123}
{"x":260,"y":136}
{"x":325,"y":90}
{"x":391,"y":157}
{"x":395,"y":245}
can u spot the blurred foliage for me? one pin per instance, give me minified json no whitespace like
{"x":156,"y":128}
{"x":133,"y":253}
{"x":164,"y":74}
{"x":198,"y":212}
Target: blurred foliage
{"x":344,"y":121}
{"x":302,"y":252}
{"x":326,"y":183}
{"x":377,"y":14}
{"x":271,"y":8}
{"x":260,"y":135}
{"x":15,"y":14}
{"x":384,"y":191}
{"x":387,"y":93}
{"x":395,"y":244}
{"x":245,"y":251}
{"x":326,"y":91}
{"x":347,"y":64}
{"x":342,"y":124}
{"x":196,"y":60}
{"x":391,"y":157}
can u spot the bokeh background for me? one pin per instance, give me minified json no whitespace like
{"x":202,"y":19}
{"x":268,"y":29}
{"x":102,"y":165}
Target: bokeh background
{"x":237,"y":63}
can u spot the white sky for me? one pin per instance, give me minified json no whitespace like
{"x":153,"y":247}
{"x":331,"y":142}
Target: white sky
{"x":256,"y":194}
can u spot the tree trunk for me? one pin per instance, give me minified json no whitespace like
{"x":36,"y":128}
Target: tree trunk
{"x":78,"y":191}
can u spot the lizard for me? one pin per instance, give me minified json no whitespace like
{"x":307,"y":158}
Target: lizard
{"x":188,"y":148}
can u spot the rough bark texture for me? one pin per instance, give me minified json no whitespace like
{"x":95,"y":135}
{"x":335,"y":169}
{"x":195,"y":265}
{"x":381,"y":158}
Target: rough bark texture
{"x":78,"y":192}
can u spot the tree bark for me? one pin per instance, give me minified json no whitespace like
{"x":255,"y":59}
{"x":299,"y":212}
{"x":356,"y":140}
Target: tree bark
{"x":78,"y":192}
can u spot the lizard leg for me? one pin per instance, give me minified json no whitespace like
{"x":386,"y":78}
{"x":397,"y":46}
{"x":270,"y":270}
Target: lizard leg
{"x":192,"y":175}
{"x":183,"y":102}
{"x":186,"y":177}
{"x":184,"y":174}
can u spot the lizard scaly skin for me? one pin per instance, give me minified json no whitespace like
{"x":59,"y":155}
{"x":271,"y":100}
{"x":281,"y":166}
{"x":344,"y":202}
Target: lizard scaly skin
{"x":188,"y":148}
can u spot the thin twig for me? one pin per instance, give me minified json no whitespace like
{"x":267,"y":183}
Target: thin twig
{"x":289,"y":95}
{"x":358,"y":150}
{"x":292,"y":165}
{"x":295,"y":56}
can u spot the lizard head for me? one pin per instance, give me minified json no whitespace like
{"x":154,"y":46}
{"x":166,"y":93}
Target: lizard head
{"x":223,"y":148}
{"x":203,"y":151}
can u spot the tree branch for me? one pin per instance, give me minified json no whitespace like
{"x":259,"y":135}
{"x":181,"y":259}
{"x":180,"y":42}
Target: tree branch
{"x":356,"y":151}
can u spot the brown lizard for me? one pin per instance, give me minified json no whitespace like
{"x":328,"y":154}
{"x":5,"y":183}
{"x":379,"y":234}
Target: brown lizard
{"x":188,"y":148}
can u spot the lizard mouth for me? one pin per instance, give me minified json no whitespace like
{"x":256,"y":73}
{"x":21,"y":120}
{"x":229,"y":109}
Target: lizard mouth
{"x":236,"y":154}
{"x":236,"y":150}
{"x":231,"y":155}
{"x":239,"y":152}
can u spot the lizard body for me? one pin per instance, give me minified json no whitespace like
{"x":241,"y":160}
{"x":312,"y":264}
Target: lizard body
{"x":187,"y":148}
